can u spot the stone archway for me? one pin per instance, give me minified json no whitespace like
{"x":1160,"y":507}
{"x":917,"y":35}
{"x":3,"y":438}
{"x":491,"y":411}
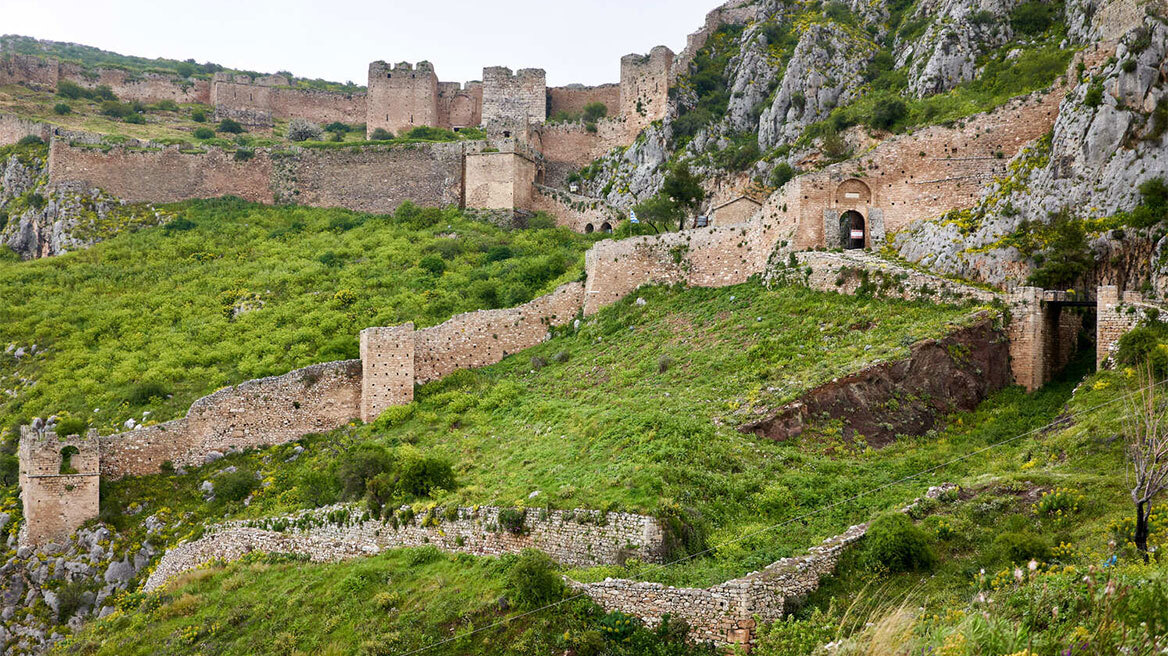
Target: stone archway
{"x":853,"y":230}
{"x":853,"y":193}
{"x":588,"y":229}
{"x":606,"y":227}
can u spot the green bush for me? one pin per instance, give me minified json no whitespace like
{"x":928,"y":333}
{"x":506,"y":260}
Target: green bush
{"x":513,"y":520}
{"x":1033,"y":18}
{"x":165,"y":106}
{"x":62,"y":108}
{"x":72,"y":91}
{"x":204,"y":133}
{"x":1094,"y":95}
{"x":782,"y":174}
{"x":1021,"y":546}
{"x":235,"y":486}
{"x":115,"y":109}
{"x":897,"y":544}
{"x":532,"y":582}
{"x":419,"y":475}
{"x":230,"y":126}
{"x":338,"y":127}
{"x":199,"y":116}
{"x":1142,"y":345}
{"x":9,"y":469}
{"x":428,"y":133}
{"x":136,"y":118}
{"x":360,"y":465}
{"x":594,"y":112}
{"x":432,"y":264}
{"x":380,"y":134}
{"x":31,"y":140}
{"x":72,"y":426}
{"x":887,"y":113}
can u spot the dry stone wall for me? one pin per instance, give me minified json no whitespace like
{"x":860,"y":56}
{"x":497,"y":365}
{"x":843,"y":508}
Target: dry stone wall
{"x":577,"y":538}
{"x":730,"y":611}
{"x":13,"y":129}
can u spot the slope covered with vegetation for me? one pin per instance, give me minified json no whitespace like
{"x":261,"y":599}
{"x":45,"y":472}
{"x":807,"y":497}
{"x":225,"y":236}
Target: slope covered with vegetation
{"x":229,"y":291}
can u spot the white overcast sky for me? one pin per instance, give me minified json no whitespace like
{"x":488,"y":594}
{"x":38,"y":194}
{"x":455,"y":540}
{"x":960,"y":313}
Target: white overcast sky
{"x":574,"y":41}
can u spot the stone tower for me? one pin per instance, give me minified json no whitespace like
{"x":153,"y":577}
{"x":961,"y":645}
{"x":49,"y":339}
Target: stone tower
{"x":59,"y":480}
{"x":401,"y":97}
{"x":387,"y":369}
{"x":644,"y":87}
{"x":513,"y":103}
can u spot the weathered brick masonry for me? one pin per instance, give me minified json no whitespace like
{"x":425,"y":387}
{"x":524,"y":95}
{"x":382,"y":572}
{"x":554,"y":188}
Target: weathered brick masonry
{"x":579,"y":213}
{"x":275,"y":95}
{"x":577,"y":538}
{"x":57,"y":499}
{"x":1116,"y":315}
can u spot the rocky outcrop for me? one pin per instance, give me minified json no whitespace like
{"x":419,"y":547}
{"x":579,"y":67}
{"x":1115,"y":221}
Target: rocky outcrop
{"x":960,"y":31}
{"x":825,"y":72}
{"x":43,"y":220}
{"x":62,"y":585}
{"x":906,"y":397}
{"x":628,"y":176}
{"x":1106,"y":142}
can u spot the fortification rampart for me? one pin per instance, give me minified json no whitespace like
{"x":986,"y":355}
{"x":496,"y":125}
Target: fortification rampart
{"x":575,"y":212}
{"x":142,"y":87}
{"x":275,"y":95}
{"x":644,"y":94}
{"x":574,"y":98}
{"x":500,"y":180}
{"x":162,"y":174}
{"x":371,"y":178}
{"x":577,"y":538}
{"x":258,"y":412}
{"x":33,"y":72}
{"x":1117,"y":314}
{"x":13,"y":129}
{"x":911,"y":177}
{"x":513,"y":101}
{"x":478,"y":339}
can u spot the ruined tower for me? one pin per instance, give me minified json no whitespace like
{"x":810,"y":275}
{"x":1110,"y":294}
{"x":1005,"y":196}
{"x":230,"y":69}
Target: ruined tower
{"x":387,"y":369}
{"x":644,"y":87}
{"x":513,"y":102}
{"x":59,"y":480}
{"x":401,"y":97}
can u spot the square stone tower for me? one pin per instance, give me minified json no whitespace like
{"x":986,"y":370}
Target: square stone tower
{"x":513,"y":103}
{"x":387,"y":369}
{"x":59,"y":482}
{"x":644,"y":87}
{"x":401,"y":97}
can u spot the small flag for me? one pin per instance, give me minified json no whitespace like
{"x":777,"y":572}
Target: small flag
{"x":633,"y":217}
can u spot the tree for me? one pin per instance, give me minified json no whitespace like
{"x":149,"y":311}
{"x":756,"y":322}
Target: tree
{"x":1146,"y":435}
{"x":684,"y":189}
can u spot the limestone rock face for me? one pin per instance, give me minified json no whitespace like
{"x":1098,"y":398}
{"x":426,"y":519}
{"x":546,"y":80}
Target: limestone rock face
{"x":44,"y":220}
{"x":630,"y":176}
{"x":1103,"y":147}
{"x":961,"y":30}
{"x":825,"y":72}
{"x":754,"y":74}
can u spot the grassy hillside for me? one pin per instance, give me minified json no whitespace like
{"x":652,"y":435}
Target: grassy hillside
{"x":229,"y":291}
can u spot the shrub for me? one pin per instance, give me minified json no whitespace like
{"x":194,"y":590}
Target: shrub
{"x":513,"y":520}
{"x":115,"y":109}
{"x":899,"y":545}
{"x":31,"y":140}
{"x":419,"y":475}
{"x":204,"y":133}
{"x":380,"y":134}
{"x":499,"y":253}
{"x":1020,"y":546}
{"x":72,"y":426}
{"x":70,"y":597}
{"x":594,"y":112}
{"x":1142,"y":345}
{"x":103,"y":92}
{"x":72,"y":91}
{"x":234,"y":486}
{"x":532,"y":581}
{"x":1032,"y":18}
{"x":359,"y":466}
{"x":62,"y":108}
{"x":431,"y":134}
{"x":338,"y":127}
{"x":230,"y":126}
{"x":887,"y":112}
{"x":136,"y":118}
{"x":1094,"y":95}
{"x":165,"y":106}
{"x":243,"y":154}
{"x":199,"y":116}
{"x":9,"y":469}
{"x":782,"y":174}
{"x":303,"y":130}
{"x":1129,"y":65}
{"x":433,"y":264}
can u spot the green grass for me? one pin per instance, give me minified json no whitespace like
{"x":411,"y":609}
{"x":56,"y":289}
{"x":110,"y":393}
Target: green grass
{"x":142,"y":321}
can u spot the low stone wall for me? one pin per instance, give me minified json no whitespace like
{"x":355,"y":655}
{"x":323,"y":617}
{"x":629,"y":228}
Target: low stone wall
{"x":578,"y":538}
{"x":576,"y":212}
{"x":905,"y":397}
{"x":258,"y":412}
{"x":850,"y":272}
{"x":478,"y":339}
{"x":728,"y":612}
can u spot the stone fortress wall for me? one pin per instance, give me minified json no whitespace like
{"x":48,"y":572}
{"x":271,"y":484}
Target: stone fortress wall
{"x":274,"y":96}
{"x":577,"y":538}
{"x":58,"y":496}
